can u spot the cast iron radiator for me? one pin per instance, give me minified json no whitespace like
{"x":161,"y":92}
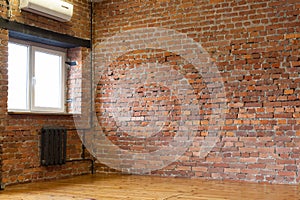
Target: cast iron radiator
{"x":53,"y":146}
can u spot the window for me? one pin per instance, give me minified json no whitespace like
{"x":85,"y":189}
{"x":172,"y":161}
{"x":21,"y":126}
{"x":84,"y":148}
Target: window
{"x":36,"y":79}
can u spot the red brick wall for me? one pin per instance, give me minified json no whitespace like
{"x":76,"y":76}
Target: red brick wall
{"x":3,"y":93}
{"x":255,"y":46}
{"x":20,"y":134}
{"x":74,"y":81}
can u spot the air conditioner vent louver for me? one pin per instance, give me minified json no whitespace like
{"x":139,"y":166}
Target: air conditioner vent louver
{"x":54,"y":9}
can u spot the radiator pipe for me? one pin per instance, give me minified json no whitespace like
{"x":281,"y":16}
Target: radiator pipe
{"x":83,"y":156}
{"x":2,"y":186}
{"x":92,"y":95}
{"x":83,"y":151}
{"x":91,"y":66}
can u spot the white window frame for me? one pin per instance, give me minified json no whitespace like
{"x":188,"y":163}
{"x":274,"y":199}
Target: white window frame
{"x":32,"y":48}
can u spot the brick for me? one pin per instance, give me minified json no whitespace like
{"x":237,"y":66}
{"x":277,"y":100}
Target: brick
{"x":230,"y":170}
{"x":286,"y":173}
{"x":289,"y":162}
{"x":248,"y":160}
{"x":250,"y":171}
{"x":287,"y":92}
{"x":256,"y":166}
{"x":183,"y":168}
{"x":215,"y":1}
{"x":199,"y":169}
{"x":292,"y":36}
{"x":295,"y":63}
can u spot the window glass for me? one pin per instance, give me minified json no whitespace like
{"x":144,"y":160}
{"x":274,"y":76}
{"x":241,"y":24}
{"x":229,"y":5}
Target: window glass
{"x":47,"y":75}
{"x":35,"y":79}
{"x":17,"y":76}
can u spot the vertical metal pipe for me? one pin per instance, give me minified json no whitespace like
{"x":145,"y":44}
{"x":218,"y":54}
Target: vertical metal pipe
{"x":91,"y":66}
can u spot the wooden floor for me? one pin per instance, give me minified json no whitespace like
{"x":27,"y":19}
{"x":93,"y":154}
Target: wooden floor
{"x":92,"y":187}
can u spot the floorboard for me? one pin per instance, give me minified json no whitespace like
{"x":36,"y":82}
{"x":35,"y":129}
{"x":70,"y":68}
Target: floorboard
{"x":96,"y":187}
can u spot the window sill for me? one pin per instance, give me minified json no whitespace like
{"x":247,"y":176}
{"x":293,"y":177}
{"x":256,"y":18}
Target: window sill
{"x":39,"y":113}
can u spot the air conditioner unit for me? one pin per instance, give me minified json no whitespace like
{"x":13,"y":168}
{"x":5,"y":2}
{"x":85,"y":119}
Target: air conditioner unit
{"x":55,"y":9}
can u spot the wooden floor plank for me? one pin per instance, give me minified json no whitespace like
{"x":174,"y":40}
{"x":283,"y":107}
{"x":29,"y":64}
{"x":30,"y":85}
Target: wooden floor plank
{"x":96,"y":187}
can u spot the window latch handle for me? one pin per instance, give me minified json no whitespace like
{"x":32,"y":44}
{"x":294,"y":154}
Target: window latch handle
{"x":33,"y":80}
